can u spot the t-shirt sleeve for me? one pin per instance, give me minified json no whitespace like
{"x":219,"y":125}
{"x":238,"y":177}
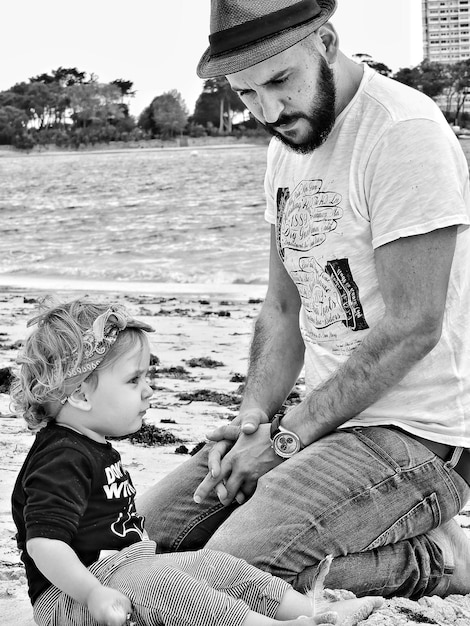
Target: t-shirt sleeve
{"x":57,"y":489}
{"x":416,"y":181}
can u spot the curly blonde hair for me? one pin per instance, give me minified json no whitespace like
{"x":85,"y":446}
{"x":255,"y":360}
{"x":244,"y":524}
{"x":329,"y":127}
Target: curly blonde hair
{"x":53,"y":348}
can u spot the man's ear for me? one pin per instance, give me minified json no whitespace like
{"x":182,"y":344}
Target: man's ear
{"x":79,"y":398}
{"x":329,"y":39}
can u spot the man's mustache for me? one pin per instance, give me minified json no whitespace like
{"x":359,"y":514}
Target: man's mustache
{"x":284,"y":119}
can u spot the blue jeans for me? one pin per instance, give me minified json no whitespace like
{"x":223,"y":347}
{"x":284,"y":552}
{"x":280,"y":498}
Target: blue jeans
{"x":368,"y":496}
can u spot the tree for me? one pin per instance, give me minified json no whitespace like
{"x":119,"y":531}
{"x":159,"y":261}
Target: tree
{"x":460,"y":86}
{"x":124,"y":86}
{"x":166,"y":116}
{"x":65,"y":106}
{"x":63,"y":76}
{"x":13,"y":123}
{"x":206,"y":110}
{"x":58,"y":81}
{"x":37,"y":100}
{"x":410,"y":76}
{"x":93,"y":103}
{"x":217,"y":104}
{"x":145,"y":121}
{"x":429,"y":77}
{"x":381,"y":68}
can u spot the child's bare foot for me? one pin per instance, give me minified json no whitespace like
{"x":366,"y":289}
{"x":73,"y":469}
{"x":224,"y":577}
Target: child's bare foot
{"x":342,"y":612}
{"x":319,"y":620}
{"x":348,"y":612}
{"x":455,"y":546}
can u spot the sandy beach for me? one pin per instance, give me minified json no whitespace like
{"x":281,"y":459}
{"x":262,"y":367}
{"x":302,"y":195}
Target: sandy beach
{"x":201,"y":346}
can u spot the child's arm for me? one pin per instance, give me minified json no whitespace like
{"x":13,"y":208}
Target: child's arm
{"x":60,"y":565}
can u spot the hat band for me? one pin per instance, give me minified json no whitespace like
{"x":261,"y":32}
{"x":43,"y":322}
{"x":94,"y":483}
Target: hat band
{"x":261,"y":27}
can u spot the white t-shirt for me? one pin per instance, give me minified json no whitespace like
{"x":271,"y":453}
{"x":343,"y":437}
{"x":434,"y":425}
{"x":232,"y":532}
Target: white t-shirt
{"x":391,"y":168}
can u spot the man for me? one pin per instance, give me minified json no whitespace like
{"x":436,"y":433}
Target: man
{"x":368,"y":198}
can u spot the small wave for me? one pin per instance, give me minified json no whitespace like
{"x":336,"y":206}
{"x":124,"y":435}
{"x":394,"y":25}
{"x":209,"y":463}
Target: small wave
{"x":146,"y":275}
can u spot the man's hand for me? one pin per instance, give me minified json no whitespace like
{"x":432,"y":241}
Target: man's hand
{"x":240,"y":468}
{"x":247,"y":422}
{"x":250,"y":419}
{"x":109,"y":606}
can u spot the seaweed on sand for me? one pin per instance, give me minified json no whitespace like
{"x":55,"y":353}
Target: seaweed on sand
{"x":150,"y":435}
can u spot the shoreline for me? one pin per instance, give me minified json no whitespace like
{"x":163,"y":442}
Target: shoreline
{"x":193,"y":146}
{"x":239,"y":291}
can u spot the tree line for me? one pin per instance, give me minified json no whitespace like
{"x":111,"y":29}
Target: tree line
{"x":69,"y":108}
{"x":66,"y":108}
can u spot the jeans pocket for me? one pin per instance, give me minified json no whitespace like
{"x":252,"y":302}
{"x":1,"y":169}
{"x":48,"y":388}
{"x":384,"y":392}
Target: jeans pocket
{"x":418,"y":520}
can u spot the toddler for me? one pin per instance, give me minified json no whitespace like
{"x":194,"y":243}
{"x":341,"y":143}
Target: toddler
{"x":88,"y":561}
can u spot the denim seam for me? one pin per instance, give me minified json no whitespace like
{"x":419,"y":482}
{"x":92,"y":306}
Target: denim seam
{"x":355,"y":495}
{"x":433,"y":502}
{"x":194,"y":523}
{"x":370,"y":443}
{"x":444,"y":471}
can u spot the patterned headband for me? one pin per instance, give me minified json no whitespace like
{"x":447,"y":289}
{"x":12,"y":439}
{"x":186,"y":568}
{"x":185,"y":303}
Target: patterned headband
{"x":98,"y":339}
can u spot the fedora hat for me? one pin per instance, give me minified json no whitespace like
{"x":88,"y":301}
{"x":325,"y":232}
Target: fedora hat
{"x":246,"y":32}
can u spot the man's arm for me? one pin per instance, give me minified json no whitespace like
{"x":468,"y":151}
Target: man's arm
{"x":277,"y":348}
{"x":276,"y":359}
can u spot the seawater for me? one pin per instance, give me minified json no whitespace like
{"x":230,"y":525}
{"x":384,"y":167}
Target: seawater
{"x":192,"y":215}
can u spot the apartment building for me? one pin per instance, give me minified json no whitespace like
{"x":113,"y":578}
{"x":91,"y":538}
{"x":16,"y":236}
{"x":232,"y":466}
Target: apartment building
{"x":446,"y":30}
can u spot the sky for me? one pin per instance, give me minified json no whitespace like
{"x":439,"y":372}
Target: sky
{"x":156,"y":44}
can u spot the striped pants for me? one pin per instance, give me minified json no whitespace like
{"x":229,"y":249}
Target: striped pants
{"x":178,"y":589}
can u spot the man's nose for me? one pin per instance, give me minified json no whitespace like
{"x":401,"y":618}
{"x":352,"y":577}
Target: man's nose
{"x":270,"y":107}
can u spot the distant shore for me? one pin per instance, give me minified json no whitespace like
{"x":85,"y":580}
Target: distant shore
{"x":181,"y":143}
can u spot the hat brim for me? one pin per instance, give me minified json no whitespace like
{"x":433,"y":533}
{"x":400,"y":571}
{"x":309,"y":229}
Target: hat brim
{"x":247,"y":56}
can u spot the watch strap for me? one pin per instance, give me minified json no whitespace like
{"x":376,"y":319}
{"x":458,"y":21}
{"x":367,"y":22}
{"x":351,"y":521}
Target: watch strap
{"x":275,"y":425}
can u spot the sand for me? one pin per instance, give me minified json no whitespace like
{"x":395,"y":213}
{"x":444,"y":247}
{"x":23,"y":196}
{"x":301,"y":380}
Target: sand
{"x":201,"y":341}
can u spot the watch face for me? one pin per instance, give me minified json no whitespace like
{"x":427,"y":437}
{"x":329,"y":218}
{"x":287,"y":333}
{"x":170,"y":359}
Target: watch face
{"x":286,"y":444}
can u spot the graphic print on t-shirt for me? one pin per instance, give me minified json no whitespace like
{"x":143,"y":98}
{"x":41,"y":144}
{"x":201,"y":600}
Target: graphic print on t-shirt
{"x":129,"y":522}
{"x":329,"y":294}
{"x":119,"y":486}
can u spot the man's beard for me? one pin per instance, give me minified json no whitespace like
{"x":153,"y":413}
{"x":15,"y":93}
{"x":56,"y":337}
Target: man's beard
{"x":321,"y":117}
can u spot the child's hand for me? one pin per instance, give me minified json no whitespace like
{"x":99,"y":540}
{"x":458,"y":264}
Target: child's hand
{"x":109,"y":606}
{"x":62,"y":567}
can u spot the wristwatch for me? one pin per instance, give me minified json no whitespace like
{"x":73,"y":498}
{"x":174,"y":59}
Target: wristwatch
{"x":284,"y":442}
